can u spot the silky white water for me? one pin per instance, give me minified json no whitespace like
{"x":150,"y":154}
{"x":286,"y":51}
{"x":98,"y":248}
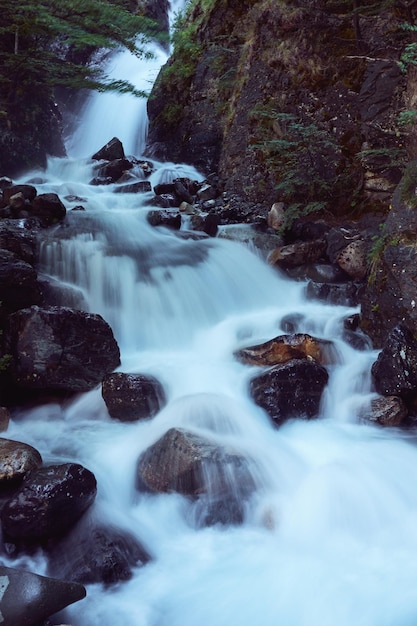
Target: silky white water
{"x":330,"y":538}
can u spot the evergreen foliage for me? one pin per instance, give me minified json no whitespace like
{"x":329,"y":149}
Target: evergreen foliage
{"x":43,"y":44}
{"x":304,"y":159}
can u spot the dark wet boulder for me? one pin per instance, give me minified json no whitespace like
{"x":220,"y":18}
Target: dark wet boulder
{"x":17,"y":202}
{"x":346,"y":293}
{"x":114,"y":169}
{"x":220,"y":479}
{"x":164,"y":188}
{"x":386,"y":411}
{"x":27,"y":599}
{"x":284,"y":348}
{"x":19,"y":286}
{"x":166,"y":201}
{"x":170,"y":219}
{"x":49,"y":208}
{"x":395,"y":370}
{"x":19,"y":240}
{"x":207,"y":223}
{"x":57,"y":348}
{"x":300,"y":253}
{"x":182,"y":190}
{"x":28,"y":191}
{"x":180,"y":462}
{"x":111,"y":151}
{"x":131,"y":397}
{"x":16,"y":460}
{"x":48,"y":503}
{"x":292,"y":389}
{"x":93,"y":553}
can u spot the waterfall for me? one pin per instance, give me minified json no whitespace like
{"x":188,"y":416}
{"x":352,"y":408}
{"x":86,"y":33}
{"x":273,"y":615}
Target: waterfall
{"x":329,"y":538}
{"x":125,"y":114}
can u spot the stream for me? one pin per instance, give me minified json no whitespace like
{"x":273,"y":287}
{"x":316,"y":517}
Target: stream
{"x":330,"y":537}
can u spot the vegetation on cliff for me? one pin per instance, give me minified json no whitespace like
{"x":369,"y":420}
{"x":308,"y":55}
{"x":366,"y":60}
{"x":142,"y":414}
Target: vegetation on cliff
{"x":291,"y":101}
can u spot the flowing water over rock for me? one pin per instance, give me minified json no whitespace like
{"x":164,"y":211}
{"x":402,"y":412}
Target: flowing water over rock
{"x":329,"y":527}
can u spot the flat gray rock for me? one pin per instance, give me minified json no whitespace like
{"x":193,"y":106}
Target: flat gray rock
{"x":27,"y":599}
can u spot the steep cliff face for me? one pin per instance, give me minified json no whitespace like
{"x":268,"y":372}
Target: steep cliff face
{"x":286,"y":101}
{"x":29,"y":135}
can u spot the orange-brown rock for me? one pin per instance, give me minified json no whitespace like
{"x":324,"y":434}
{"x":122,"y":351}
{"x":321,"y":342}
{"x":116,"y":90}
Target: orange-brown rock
{"x":284,"y":348}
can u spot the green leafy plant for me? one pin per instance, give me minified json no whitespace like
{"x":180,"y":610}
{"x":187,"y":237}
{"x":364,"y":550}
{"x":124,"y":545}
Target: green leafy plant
{"x":380,"y":243}
{"x":382,"y":158}
{"x":408,"y":186}
{"x":5,"y":362}
{"x":407,"y":118}
{"x":303,"y":158}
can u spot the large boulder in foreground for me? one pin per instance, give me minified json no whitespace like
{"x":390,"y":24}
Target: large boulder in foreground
{"x":131,"y":397}
{"x":48,"y":503}
{"x":60,"y":349}
{"x":189,"y":464}
{"x":27,"y":599}
{"x":49,"y":208}
{"x":16,"y":460}
{"x":291,"y":389}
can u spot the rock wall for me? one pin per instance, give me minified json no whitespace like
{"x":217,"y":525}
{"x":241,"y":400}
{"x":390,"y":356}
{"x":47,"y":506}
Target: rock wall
{"x":223,"y":98}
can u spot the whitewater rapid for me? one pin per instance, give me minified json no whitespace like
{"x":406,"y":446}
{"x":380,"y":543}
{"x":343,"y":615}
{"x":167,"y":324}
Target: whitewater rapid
{"x":330,"y":537}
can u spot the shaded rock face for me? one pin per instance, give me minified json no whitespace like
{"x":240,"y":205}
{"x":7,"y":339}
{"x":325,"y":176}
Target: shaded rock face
{"x":395,"y":370}
{"x":32,"y":137}
{"x":390,"y":296}
{"x":19,"y":286}
{"x":19,"y":240}
{"x":16,"y":460}
{"x":292,"y":389}
{"x":57,"y":348}
{"x":130,"y":397}
{"x":49,"y":502}
{"x":209,"y":118}
{"x":97,"y":554}
{"x":28,"y":599}
{"x":191,"y":465}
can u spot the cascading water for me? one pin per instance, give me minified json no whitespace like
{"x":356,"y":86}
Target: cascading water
{"x":330,"y":535}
